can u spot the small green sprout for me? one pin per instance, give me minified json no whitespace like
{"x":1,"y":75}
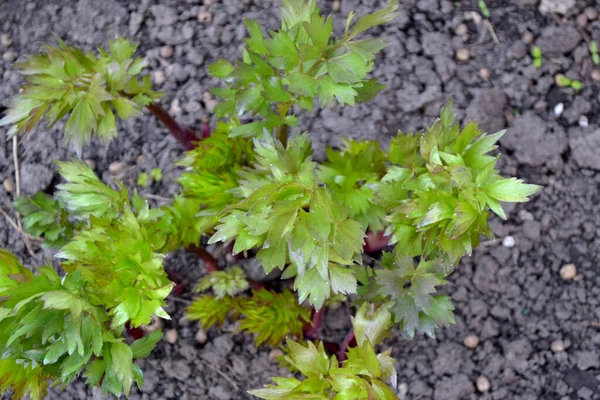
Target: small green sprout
{"x":594,"y":52}
{"x":563,"y":81}
{"x":484,"y":9}
{"x":143,"y":180}
{"x":536,"y":53}
{"x":156,"y":174}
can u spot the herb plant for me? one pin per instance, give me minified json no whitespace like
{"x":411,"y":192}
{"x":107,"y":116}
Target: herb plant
{"x":251,"y":184}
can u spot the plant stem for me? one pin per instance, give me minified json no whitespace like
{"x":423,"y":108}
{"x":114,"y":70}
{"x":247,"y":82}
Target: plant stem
{"x":209,"y":260}
{"x":185,"y":136}
{"x":282,"y":134}
{"x":317,"y":322}
{"x":376,"y":241}
{"x":349,"y":341}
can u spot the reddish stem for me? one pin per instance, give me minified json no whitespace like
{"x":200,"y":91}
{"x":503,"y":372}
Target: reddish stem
{"x":209,"y":260}
{"x":349,"y":341}
{"x":135,"y":333}
{"x":185,"y":136}
{"x":312,"y":330}
{"x":205,"y":128}
{"x":375,"y":242}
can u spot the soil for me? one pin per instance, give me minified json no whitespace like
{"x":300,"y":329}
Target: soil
{"x":512,"y":298}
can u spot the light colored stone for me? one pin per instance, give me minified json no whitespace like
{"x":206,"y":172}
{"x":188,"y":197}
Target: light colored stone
{"x":90,"y":163}
{"x":166,"y":52}
{"x":528,"y":37}
{"x":463,"y":55}
{"x":596,"y":74}
{"x":210,"y":105}
{"x":155,"y":324}
{"x":560,"y":80}
{"x":557,"y":346}
{"x":591,"y":13}
{"x":559,"y":109}
{"x":582,"y":20}
{"x":461,"y":29}
{"x":5,"y":40}
{"x":471,"y":341}
{"x":336,"y":5}
{"x":275,"y":354}
{"x":205,"y":17}
{"x":206,"y":96}
{"x":158,"y":77}
{"x":116,"y":167}
{"x":485,"y":73}
{"x":201,"y":336}
{"x":208,"y":3}
{"x":175,"y":106}
{"x":508,"y":241}
{"x":9,"y":185}
{"x":568,"y":271}
{"x":171,"y":336}
{"x":483,"y":384}
{"x":583,"y":121}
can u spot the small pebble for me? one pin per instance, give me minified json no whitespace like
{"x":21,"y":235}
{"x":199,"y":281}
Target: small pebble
{"x":166,"y":52}
{"x":158,"y":77}
{"x":583,"y":121}
{"x":462,"y":55}
{"x":485,"y":73}
{"x":557,"y":346}
{"x":558,"y":109}
{"x":591,"y":13}
{"x":508,"y":241}
{"x":201,"y":336}
{"x":461,"y":29}
{"x":476,"y":17}
{"x":483,"y":384}
{"x":275,"y":354}
{"x":175,"y":107}
{"x":210,"y":105}
{"x":9,"y":56}
{"x":528,"y":37}
{"x":471,"y":341}
{"x":193,"y":107}
{"x":140,"y":159}
{"x":8,"y":184}
{"x":171,"y":336}
{"x":526,"y":215}
{"x":205,"y":16}
{"x":582,"y":20}
{"x":116,"y":167}
{"x":336,"y":5}
{"x":155,"y":325}
{"x":402,"y":390}
{"x":208,"y":3}
{"x":206,"y":96}
{"x":568,"y":271}
{"x":90,"y":163}
{"x":5,"y":40}
{"x":596,"y":74}
{"x":540,"y":105}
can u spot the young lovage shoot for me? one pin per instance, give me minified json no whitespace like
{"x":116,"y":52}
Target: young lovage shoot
{"x":252,"y":184}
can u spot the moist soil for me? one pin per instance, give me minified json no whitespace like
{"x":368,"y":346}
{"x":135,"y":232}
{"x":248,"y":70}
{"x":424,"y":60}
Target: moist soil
{"x":512,"y":297}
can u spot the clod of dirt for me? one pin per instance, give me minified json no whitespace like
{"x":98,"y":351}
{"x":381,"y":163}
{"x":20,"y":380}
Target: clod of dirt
{"x":557,"y":40}
{"x":35,"y":178}
{"x":471,"y":341}
{"x":487,"y":108}
{"x":584,"y":147}
{"x":568,"y":271}
{"x":591,"y":13}
{"x":115,"y":168}
{"x":557,"y":346}
{"x":582,"y":20}
{"x":556,"y":6}
{"x":483,"y":384}
{"x":9,"y":185}
{"x":171,"y":336}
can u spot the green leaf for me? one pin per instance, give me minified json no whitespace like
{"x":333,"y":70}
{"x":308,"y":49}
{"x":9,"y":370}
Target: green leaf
{"x":368,"y":90}
{"x":221,"y":68}
{"x":511,"y":189}
{"x":342,"y":279}
{"x":372,"y":324}
{"x":121,"y":355}
{"x":377,"y":18}
{"x":313,"y":287}
{"x":141,"y":348}
{"x":126,"y":108}
{"x":328,"y":89}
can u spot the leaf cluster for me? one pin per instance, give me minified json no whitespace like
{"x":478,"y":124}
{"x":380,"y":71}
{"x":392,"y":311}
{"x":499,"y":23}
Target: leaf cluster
{"x":89,"y":88}
{"x":362,"y":376}
{"x":271,"y":316}
{"x":296,"y":64}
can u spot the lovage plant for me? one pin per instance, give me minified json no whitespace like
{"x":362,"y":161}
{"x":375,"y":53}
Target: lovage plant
{"x":253,"y":185}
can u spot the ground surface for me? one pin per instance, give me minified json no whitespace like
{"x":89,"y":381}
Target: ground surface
{"x":512,"y":298}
